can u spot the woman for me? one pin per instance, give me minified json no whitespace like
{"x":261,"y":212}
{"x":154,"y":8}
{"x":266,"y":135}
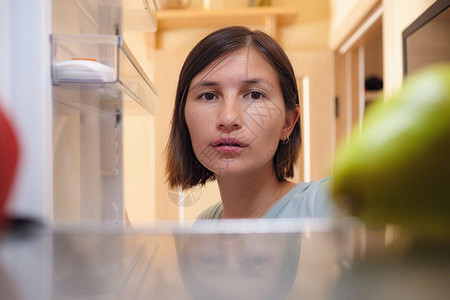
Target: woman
{"x":236,"y":120}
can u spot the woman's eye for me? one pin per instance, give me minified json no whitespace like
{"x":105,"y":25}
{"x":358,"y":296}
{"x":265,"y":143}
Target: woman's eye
{"x":256,"y":95}
{"x":211,"y":259}
{"x":208,"y":96}
{"x":255,"y":260}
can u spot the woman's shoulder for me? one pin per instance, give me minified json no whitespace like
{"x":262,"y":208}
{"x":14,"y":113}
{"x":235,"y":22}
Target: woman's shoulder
{"x":305,"y":199}
{"x":313,"y":186}
{"x":318,"y":194}
{"x":213,"y":212}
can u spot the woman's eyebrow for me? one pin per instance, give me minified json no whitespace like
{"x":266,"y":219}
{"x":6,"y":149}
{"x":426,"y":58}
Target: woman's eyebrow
{"x":204,"y":83}
{"x":258,"y":81}
{"x":209,"y":83}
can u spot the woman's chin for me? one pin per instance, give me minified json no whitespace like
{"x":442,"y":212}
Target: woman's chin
{"x":222,"y":170}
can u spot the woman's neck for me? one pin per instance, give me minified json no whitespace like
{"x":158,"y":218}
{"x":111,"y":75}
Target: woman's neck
{"x":250,"y":195}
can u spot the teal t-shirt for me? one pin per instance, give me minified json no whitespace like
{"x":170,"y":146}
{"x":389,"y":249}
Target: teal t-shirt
{"x":305,"y":200}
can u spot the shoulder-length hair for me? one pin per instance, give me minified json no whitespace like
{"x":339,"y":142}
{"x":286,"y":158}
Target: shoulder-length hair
{"x":182,"y":168}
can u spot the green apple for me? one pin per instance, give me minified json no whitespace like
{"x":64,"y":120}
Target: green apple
{"x":397,"y":170}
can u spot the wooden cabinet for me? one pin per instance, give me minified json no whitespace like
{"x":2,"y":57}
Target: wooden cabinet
{"x":269,"y":19}
{"x":358,"y":73}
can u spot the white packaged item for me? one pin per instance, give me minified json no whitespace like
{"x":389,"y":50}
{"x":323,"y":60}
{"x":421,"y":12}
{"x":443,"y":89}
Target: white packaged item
{"x":82,"y":71}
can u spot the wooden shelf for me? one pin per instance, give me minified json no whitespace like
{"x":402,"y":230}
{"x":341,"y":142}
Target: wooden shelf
{"x":177,"y":19}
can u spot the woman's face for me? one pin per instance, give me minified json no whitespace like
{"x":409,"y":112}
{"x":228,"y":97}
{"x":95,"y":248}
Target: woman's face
{"x":235,"y":114}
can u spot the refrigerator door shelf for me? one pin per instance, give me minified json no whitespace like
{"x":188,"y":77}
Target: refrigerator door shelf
{"x":100,"y":61}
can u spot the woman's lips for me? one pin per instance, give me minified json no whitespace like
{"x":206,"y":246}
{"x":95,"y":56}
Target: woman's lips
{"x":229,"y":145}
{"x":229,"y":149}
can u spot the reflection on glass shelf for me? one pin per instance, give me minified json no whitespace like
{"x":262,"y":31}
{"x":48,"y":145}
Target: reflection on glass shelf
{"x":233,"y":259}
{"x":238,"y":259}
{"x":102,"y":62}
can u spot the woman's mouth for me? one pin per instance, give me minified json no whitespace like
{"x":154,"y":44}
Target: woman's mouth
{"x":229,"y":145}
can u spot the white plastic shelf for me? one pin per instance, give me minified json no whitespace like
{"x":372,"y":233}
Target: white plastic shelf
{"x":103,"y":63}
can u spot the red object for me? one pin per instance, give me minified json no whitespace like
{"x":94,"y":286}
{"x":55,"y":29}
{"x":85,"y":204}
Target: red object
{"x":9,"y":157}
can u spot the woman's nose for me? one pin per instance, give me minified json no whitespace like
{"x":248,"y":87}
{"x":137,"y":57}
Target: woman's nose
{"x":230,"y":116}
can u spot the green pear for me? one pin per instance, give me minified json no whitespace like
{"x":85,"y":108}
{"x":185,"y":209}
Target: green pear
{"x":397,"y":170}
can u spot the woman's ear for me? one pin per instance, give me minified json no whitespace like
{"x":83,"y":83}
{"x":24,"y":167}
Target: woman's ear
{"x":292,"y":117}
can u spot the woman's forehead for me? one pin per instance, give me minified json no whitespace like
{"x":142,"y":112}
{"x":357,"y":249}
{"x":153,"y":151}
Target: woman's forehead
{"x":246,"y":62}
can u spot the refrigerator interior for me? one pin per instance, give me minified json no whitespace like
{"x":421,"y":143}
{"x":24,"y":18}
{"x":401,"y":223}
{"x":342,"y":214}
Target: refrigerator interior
{"x":96,"y":82}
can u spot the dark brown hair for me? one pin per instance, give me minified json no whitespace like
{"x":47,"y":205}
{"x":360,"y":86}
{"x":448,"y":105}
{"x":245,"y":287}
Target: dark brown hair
{"x":183,"y":168}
